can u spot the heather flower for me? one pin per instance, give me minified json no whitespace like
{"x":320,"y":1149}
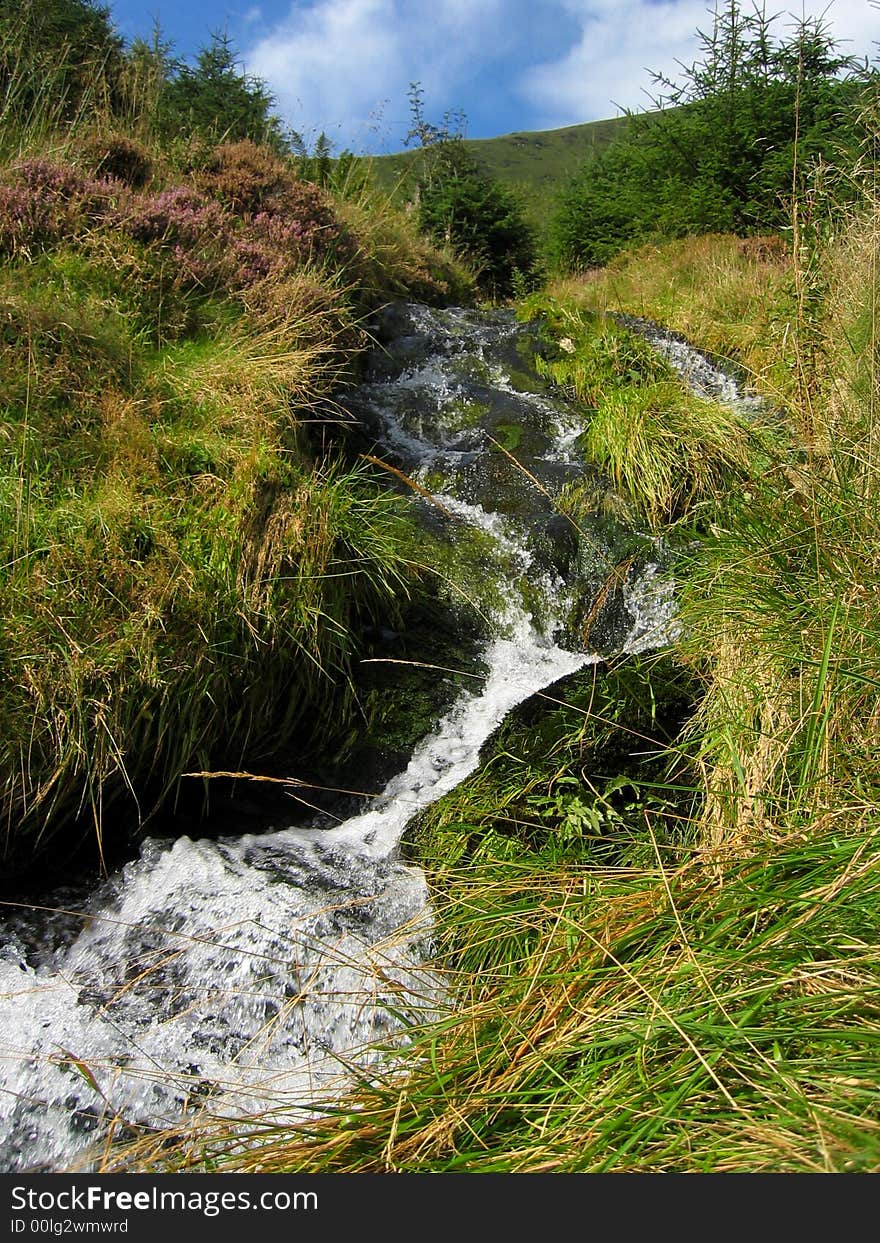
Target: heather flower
{"x":196,"y":233}
{"x":178,"y":215}
{"x":27,"y":221}
{"x":46,"y":203}
{"x":251,"y":262}
{"x":57,"y":181}
{"x":193,"y":267}
{"x":292,"y":220}
{"x":88,"y":198}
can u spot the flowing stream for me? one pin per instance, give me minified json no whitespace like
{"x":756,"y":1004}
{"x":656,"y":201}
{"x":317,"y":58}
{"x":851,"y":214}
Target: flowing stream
{"x":254,"y":975}
{"x":697,"y":369}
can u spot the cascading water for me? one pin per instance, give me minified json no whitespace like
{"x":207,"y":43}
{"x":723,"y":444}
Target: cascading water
{"x":254,"y":974}
{"x":699,"y":373}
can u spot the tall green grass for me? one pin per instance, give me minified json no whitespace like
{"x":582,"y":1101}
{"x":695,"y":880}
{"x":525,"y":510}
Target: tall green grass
{"x":731,"y":296}
{"x":672,"y":454}
{"x":180,"y":581}
{"x":658,"y":1019}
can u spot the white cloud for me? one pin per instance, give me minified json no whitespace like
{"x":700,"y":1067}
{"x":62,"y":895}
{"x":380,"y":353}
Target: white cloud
{"x":323,"y":63}
{"x":336,"y":64}
{"x":621,"y":40}
{"x":345,"y":66}
{"x":856,"y":23}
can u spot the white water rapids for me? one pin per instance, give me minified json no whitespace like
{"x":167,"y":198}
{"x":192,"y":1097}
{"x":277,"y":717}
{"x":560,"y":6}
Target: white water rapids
{"x":238,"y":976}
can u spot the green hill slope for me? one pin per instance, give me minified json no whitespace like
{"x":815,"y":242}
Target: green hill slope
{"x":536,"y":164}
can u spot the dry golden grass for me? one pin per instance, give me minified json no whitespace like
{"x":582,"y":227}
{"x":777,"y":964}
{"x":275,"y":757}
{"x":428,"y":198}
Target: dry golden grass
{"x":728,"y":295}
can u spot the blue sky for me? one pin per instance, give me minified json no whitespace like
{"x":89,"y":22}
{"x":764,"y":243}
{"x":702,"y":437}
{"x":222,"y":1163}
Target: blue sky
{"x":345,"y":65}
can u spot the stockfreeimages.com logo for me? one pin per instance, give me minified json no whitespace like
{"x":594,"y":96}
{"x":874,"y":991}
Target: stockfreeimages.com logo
{"x":97,"y":1199}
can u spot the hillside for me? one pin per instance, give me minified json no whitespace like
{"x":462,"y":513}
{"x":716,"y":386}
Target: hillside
{"x":534,"y":163}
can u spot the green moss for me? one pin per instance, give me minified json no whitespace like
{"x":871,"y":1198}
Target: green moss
{"x":509,"y":435}
{"x":462,"y":414}
{"x":411,"y":677}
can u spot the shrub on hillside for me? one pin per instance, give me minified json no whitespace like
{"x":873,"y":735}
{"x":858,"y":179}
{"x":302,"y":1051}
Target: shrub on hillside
{"x":248,"y":217}
{"x":482,"y":219}
{"x":58,"y":57}
{"x":459,"y":205}
{"x":211,"y":247}
{"x":193,"y":230}
{"x":180,"y":216}
{"x":119,"y":158}
{"x":269,"y":246}
{"x":42,"y":203}
{"x":301,"y":236}
{"x":292,"y":220}
{"x":725,"y":148}
{"x":246,"y":177}
{"x":216,"y":98}
{"x":27,"y":222}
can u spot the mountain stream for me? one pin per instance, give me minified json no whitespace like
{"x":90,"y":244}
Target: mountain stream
{"x":257,"y":974}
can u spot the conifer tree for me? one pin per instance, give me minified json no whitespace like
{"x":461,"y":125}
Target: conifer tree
{"x":66,"y":49}
{"x":723,"y":145}
{"x":217,"y":98}
{"x":460,"y":204}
